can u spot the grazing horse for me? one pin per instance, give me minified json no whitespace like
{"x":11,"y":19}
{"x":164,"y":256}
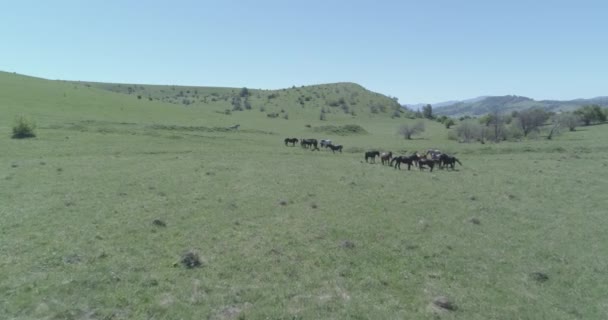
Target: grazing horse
{"x":386,"y":157}
{"x":448,"y":161}
{"x":312,"y":143}
{"x":426,"y":162}
{"x":325,"y":143}
{"x":293,"y":141}
{"x":410,"y":161}
{"x":335,"y":148}
{"x":372,"y":155}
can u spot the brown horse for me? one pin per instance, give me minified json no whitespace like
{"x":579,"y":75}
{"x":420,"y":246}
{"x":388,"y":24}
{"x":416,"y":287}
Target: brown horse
{"x":386,"y":157}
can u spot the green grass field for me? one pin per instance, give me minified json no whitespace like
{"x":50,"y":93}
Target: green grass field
{"x":517,"y":232}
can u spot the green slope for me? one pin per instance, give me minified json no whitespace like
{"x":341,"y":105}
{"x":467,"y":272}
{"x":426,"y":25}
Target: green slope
{"x":50,"y":102}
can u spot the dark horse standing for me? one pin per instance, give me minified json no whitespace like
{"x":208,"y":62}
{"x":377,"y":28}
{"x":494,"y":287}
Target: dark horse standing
{"x":293,"y":141}
{"x":426,"y":162}
{"x":312,"y":143}
{"x":372,"y":155}
{"x":335,"y":148}
{"x":410,"y":161}
{"x":448,"y":161}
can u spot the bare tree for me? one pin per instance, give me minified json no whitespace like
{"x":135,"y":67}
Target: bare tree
{"x":555,"y":126}
{"x":468,"y":130}
{"x":408,"y":130}
{"x":570,"y":120}
{"x":532,"y":119}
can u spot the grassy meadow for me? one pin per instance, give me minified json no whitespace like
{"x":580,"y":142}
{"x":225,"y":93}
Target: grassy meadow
{"x":516,"y":232}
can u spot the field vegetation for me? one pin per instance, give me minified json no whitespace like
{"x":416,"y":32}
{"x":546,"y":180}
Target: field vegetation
{"x":132,"y":204}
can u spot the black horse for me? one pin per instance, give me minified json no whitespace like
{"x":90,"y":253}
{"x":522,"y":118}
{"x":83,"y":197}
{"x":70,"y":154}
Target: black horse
{"x":372,"y":155}
{"x":409,"y":160}
{"x":293,"y":141}
{"x":335,"y":148}
{"x":312,"y":143}
{"x":448,"y":161}
{"x":426,"y":162}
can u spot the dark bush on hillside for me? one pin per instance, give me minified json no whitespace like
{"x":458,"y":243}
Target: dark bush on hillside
{"x":272,"y":115}
{"x":23,"y":128}
{"x":341,"y":130}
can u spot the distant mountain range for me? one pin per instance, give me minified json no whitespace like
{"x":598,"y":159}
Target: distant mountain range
{"x":506,"y":104}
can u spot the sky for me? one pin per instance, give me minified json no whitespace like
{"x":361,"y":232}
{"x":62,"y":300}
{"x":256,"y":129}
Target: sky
{"x":418,"y":51}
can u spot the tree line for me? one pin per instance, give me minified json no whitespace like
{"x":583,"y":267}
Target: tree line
{"x":496,"y":126}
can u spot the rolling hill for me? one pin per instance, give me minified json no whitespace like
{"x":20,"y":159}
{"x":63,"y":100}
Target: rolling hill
{"x":338,"y":101}
{"x":509,"y":103}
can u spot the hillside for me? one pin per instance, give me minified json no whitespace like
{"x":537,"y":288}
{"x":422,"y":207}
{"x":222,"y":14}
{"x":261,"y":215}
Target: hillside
{"x":339,"y":101}
{"x":509,"y":103}
{"x":347,"y":99}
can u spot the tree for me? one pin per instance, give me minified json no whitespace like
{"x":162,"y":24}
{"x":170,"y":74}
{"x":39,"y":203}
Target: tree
{"x":569,"y":120}
{"x":468,"y":130}
{"x":591,"y":113}
{"x":556,"y":125}
{"x":408,"y":130}
{"x":427,"y":111}
{"x":449,"y":122}
{"x":244,"y":92}
{"x":531,"y":119}
{"x":496,"y":122}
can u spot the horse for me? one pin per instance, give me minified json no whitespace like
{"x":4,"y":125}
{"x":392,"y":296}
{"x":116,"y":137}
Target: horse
{"x":293,"y":141}
{"x":434,"y":153}
{"x":409,"y":160}
{"x":448,"y":161}
{"x":325,"y":143}
{"x":372,"y":155}
{"x":313,"y":143}
{"x":334,"y":148}
{"x":386,"y":157}
{"x":426,"y":162}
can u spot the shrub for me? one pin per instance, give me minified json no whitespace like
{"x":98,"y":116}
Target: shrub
{"x":23,"y":128}
{"x":341,"y":130}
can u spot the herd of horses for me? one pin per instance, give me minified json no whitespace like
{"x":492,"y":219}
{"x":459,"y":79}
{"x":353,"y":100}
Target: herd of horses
{"x":430,"y":158}
{"x":314,"y":144}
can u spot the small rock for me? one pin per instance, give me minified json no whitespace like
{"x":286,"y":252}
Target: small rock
{"x":444,"y":303}
{"x":191,"y":260}
{"x":475,"y":221}
{"x":283,"y":202}
{"x":347,"y":244}
{"x":159,"y":223}
{"x":539,"y":276}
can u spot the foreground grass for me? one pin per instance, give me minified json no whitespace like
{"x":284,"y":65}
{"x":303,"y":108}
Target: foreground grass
{"x":284,"y":232}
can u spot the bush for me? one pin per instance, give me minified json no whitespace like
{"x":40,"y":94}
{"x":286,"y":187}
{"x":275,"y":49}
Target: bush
{"x":341,"y":130}
{"x":23,"y":128}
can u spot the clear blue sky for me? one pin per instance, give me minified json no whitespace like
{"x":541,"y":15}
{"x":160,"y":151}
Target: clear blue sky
{"x":418,"y":51}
